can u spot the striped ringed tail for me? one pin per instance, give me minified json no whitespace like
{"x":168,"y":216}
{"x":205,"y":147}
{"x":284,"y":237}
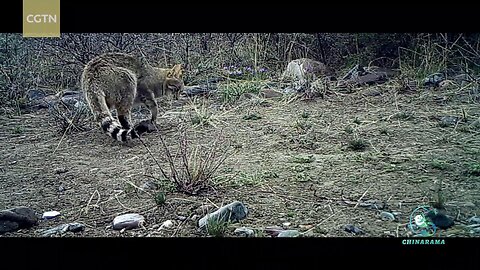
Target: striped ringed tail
{"x":113,"y":129}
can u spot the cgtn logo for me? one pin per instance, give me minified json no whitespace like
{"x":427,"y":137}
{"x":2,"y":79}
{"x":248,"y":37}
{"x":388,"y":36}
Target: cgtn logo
{"x":41,"y":18}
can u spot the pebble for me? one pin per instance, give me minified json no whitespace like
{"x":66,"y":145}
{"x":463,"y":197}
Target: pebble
{"x":244,"y":232}
{"x":128,"y":221}
{"x":50,"y":214}
{"x":353,"y":229}
{"x":386,"y":216}
{"x":166,"y":225}
{"x":289,"y":233}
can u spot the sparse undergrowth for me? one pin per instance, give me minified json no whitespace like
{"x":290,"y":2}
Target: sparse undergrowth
{"x":231,"y":90}
{"x":193,"y":168}
{"x":217,"y":227}
{"x":300,"y":191}
{"x":357,"y":145}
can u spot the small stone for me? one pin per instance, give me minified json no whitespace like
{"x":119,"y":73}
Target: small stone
{"x":305,"y":227}
{"x":273,"y":230}
{"x":181,"y":218}
{"x":386,"y":216}
{"x":449,"y":120}
{"x":286,"y":224}
{"x":50,"y":214}
{"x":76,"y":227}
{"x":167,"y":224}
{"x":128,"y":221}
{"x":434,"y":79}
{"x":289,"y":233}
{"x":474,"y":220}
{"x":353,"y":229}
{"x":61,"y":229}
{"x":150,"y":185}
{"x":388,"y":234}
{"x":34,"y":94}
{"x":61,"y":170}
{"x":244,"y":232}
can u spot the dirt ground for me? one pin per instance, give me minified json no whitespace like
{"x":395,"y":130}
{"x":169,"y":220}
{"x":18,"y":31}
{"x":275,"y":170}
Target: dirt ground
{"x":291,"y":164}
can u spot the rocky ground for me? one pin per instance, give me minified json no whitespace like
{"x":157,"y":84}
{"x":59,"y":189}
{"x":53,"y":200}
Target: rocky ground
{"x":349,"y":164}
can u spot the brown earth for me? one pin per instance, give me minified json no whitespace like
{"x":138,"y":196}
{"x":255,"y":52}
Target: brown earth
{"x":293,"y":165}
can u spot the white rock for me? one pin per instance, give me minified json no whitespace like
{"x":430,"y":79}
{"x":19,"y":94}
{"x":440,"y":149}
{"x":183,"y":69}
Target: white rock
{"x":50,"y":214}
{"x":167,"y":224}
{"x":128,"y":221}
{"x":245,"y":232}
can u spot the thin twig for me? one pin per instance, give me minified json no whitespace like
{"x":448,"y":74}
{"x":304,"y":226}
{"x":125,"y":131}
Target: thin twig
{"x":363,"y":195}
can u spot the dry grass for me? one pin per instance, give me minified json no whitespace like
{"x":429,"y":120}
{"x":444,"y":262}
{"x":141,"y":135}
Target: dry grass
{"x":401,"y":130}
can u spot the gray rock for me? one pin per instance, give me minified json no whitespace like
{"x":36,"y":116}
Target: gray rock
{"x":45,"y":102}
{"x":199,"y":89}
{"x":244,"y":232}
{"x":353,"y":229}
{"x":286,"y":224}
{"x":76,"y":227}
{"x":273,"y":230}
{"x":181,"y":218}
{"x":61,"y":229}
{"x":474,"y":220}
{"x":35,"y":94}
{"x":61,"y":170}
{"x":434,"y":79}
{"x":128,"y":221}
{"x":475,"y":230}
{"x":150,"y":185}
{"x":74,"y":100}
{"x":233,"y":212}
{"x":449,"y":120}
{"x":289,"y":233}
{"x":386,"y":216}
{"x":17,"y":218}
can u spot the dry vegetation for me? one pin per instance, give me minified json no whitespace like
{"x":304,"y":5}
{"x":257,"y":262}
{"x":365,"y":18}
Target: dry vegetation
{"x":309,"y":162}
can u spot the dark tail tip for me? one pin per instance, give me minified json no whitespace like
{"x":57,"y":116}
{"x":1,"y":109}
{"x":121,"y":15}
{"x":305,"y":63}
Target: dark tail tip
{"x":106,"y":124}
{"x":139,"y":130}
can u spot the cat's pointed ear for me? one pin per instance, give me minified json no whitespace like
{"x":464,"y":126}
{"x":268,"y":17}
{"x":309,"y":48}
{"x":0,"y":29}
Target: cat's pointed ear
{"x":177,"y":71}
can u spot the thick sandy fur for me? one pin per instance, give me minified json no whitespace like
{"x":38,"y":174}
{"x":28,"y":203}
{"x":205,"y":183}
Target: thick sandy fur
{"x":122,"y":81}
